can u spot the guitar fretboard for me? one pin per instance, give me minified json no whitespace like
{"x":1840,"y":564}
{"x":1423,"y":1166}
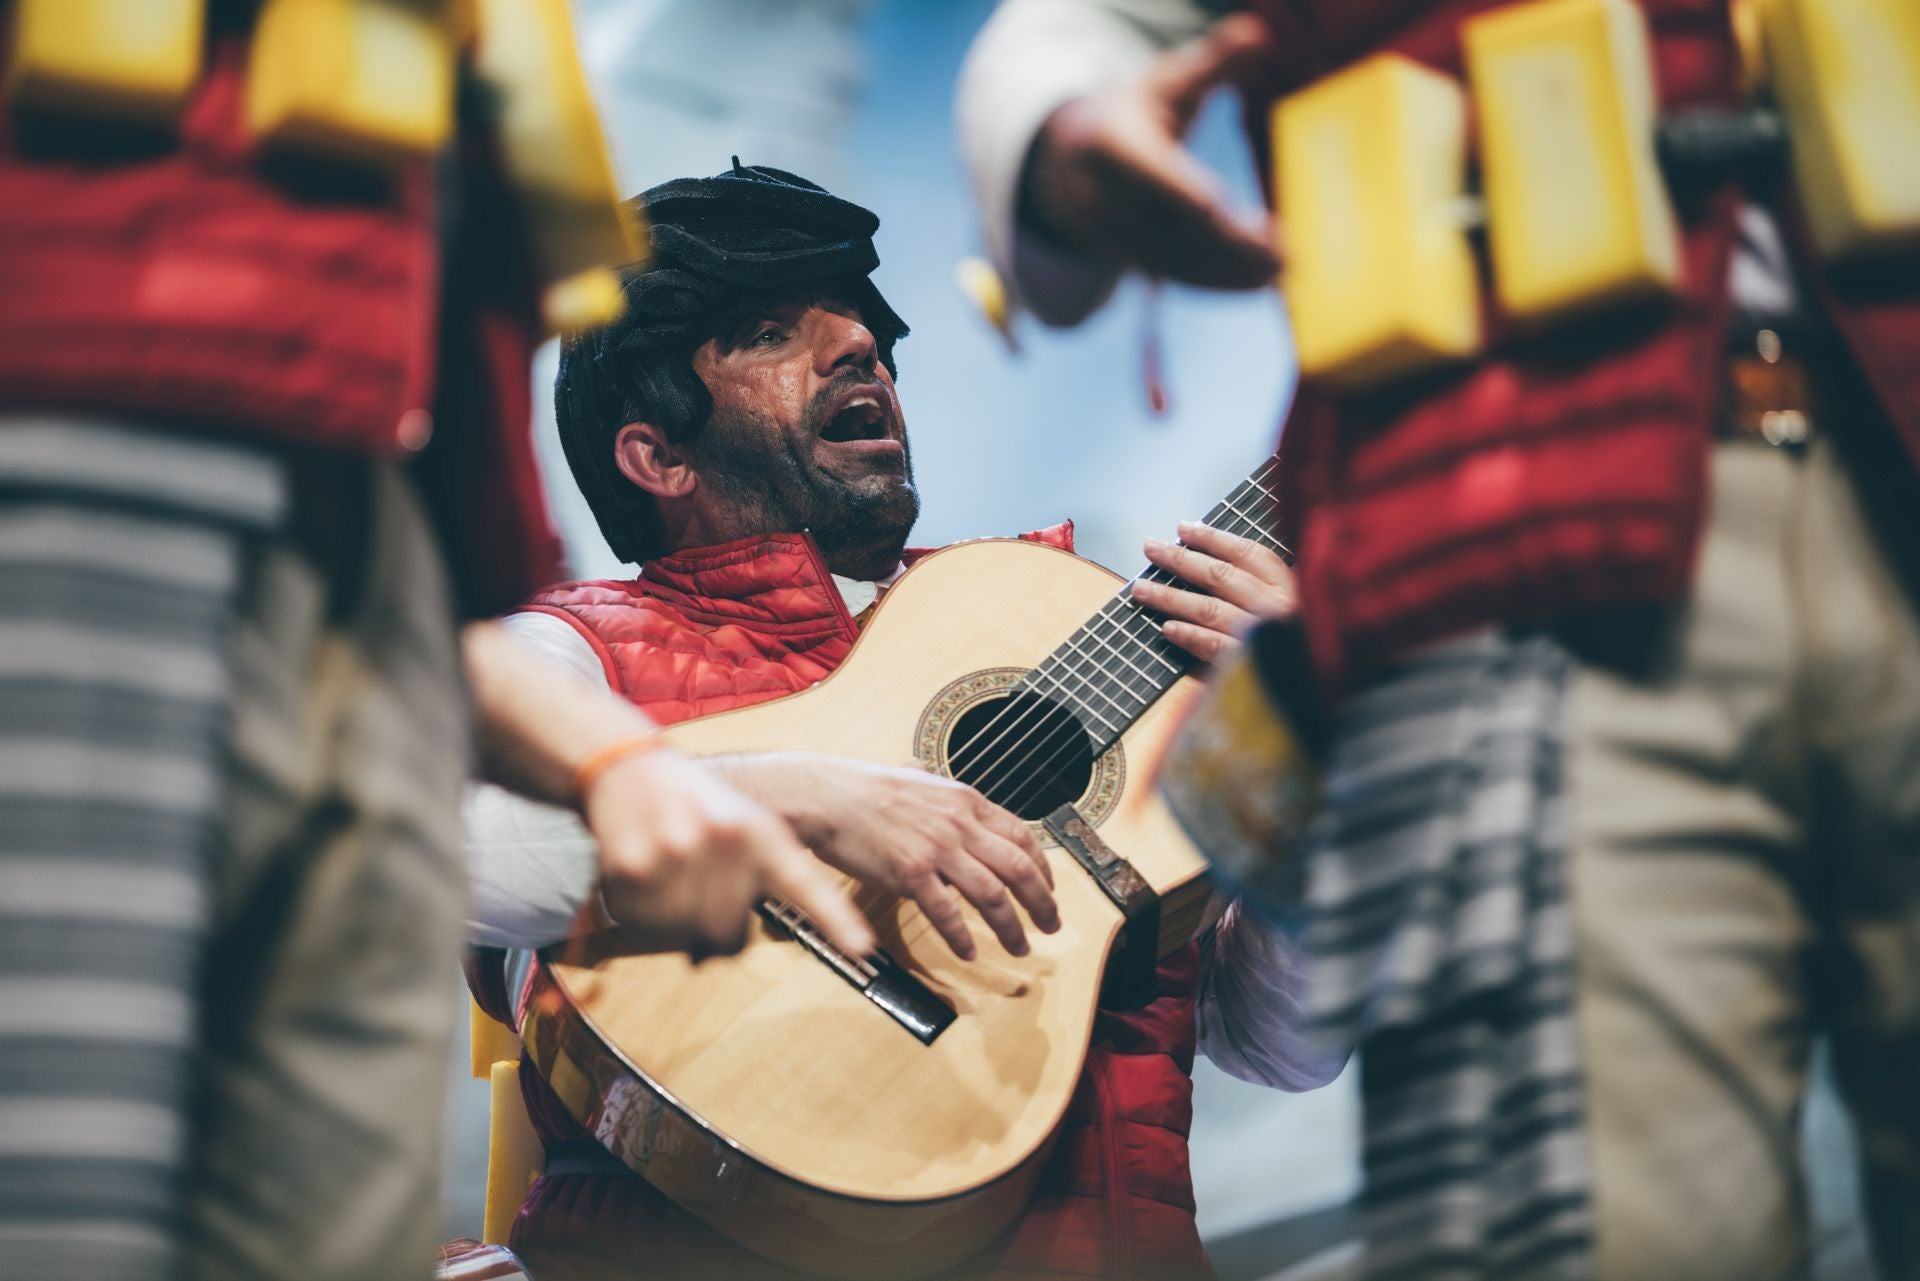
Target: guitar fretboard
{"x":1112,"y":670}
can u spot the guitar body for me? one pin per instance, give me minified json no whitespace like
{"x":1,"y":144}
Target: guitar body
{"x":764,"y":1091}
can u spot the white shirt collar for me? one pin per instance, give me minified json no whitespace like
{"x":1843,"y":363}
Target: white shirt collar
{"x":858,"y":593}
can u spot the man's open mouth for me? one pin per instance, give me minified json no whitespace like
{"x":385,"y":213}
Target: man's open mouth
{"x":863,"y":417}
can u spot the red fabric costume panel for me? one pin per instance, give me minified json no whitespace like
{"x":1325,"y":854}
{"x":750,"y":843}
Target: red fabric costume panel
{"x":192,"y":280}
{"x":184,"y":282}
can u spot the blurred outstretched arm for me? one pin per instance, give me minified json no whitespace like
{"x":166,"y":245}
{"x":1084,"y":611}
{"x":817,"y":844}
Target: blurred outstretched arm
{"x":1071,"y":115}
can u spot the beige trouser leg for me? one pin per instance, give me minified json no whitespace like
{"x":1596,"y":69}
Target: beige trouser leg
{"x":334,"y":988}
{"x":1746,"y":835}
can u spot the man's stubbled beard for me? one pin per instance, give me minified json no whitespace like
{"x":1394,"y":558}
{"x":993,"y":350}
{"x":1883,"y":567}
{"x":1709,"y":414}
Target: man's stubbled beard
{"x":768,"y":480}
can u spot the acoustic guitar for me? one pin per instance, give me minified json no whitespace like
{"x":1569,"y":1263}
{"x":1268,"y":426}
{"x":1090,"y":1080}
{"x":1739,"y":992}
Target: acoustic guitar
{"x":888,"y":1116}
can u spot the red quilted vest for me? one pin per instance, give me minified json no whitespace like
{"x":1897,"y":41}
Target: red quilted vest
{"x":714,"y":628}
{"x":723,"y":627}
{"x":184,"y":280}
{"x":1554,"y":475}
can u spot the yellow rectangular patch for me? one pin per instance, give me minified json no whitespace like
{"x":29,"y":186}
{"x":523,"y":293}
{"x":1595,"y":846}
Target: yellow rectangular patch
{"x":1578,"y":216}
{"x":366,"y":81}
{"x":488,"y":1040}
{"x":129,"y":58}
{"x":515,"y":1156}
{"x":552,"y":147}
{"x":1369,"y":166}
{"x":1847,"y":74}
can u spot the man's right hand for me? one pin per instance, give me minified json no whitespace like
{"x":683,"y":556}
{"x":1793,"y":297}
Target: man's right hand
{"x":911,"y":833}
{"x":684,"y":859}
{"x":1108,"y":174}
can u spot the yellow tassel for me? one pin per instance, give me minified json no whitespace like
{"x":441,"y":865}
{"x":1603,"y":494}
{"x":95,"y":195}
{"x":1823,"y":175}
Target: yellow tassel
{"x":514,"y":1153}
{"x":135,"y":59}
{"x":1241,"y":781}
{"x":1751,"y":40}
{"x":1847,"y":73}
{"x":981,"y":285}
{"x":1369,"y":166}
{"x":364,"y":81}
{"x":1578,"y":216}
{"x":557,"y":159}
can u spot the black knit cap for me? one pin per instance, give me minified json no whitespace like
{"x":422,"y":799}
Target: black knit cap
{"x":718,"y":244}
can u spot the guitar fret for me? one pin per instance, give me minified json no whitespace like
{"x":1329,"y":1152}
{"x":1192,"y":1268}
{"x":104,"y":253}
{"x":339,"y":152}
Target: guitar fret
{"x":1255,"y":524}
{"x":1251,"y":523}
{"x":1145,"y":635}
{"x":1228,"y":525}
{"x":1062,"y":687}
{"x":1142,"y":672}
{"x":1122,"y":699}
{"x":1177,"y":661}
{"x":1146,"y":640}
{"x":1133,"y":647}
{"x":1072,"y":646}
{"x":1120,"y":661}
{"x":1102,"y":630}
{"x":1076,"y":646}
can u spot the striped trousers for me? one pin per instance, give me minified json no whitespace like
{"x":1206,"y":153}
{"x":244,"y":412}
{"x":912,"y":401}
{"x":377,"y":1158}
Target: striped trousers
{"x":230,"y":754}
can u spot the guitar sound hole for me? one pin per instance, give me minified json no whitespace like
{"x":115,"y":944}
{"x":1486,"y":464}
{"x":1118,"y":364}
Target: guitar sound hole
{"x":1023,"y":752}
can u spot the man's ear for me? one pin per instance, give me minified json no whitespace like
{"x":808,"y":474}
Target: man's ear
{"x":645,"y":456}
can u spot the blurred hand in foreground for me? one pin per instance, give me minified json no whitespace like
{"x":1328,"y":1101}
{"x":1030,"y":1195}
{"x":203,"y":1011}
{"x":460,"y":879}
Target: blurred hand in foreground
{"x":1108,"y":174}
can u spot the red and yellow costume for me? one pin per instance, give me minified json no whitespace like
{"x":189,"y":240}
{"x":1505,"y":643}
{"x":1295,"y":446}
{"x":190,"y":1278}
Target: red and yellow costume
{"x":1557,"y":474}
{"x":197,"y":282}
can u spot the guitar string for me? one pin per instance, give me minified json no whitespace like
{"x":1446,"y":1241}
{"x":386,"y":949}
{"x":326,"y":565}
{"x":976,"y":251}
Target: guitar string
{"x":911,"y":913}
{"x":868,"y":898}
{"x":1010,"y":770}
{"x":1041,"y":706}
{"x":1028,"y":782}
{"x":1018,"y":779}
{"x":1037,"y":780}
{"x":1129,"y":613}
{"x":1123,"y":600}
{"x":1122,"y":613}
{"x":1125,"y":623}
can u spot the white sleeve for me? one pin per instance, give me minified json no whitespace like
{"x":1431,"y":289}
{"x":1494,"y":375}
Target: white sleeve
{"x":1251,"y":1012}
{"x":530,"y":866}
{"x":560,"y":641}
{"x":1030,"y":58}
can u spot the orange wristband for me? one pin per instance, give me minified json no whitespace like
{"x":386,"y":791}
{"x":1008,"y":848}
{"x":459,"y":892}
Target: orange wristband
{"x":588,"y":772}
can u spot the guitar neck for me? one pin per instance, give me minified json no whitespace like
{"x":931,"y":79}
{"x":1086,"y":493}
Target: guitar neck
{"x":1110,"y":671}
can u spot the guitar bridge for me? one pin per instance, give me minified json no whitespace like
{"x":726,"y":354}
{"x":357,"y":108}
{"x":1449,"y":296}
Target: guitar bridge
{"x":879,"y":978}
{"x":1132,"y":968}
